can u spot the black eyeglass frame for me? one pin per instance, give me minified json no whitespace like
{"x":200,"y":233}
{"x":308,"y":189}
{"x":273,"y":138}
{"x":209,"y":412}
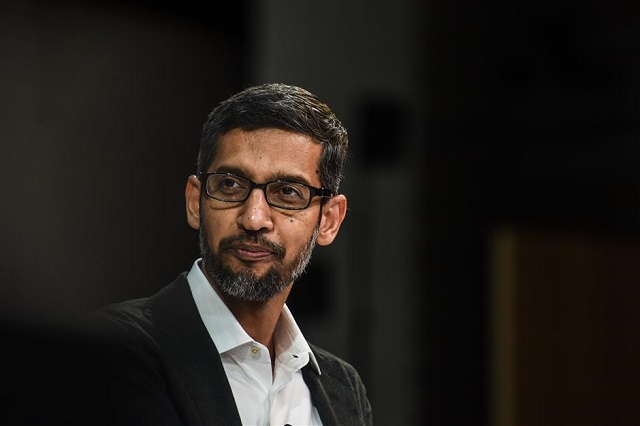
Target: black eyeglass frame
{"x":315,"y":192}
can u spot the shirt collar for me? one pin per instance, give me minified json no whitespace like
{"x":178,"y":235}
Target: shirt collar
{"x":289,"y":338}
{"x":227,"y":333}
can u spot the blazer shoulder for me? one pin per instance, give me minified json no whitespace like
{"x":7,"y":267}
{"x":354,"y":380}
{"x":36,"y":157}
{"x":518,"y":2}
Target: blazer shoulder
{"x":120,"y":313}
{"x":135,"y":317}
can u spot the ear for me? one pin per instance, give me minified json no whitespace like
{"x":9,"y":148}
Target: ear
{"x":333,"y":213}
{"x":192,"y":196}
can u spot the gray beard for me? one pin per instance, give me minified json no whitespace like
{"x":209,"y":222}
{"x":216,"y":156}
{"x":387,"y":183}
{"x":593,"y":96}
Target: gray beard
{"x":245,"y":285}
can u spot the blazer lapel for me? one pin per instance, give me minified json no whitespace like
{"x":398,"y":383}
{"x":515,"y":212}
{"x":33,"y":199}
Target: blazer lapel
{"x":192,"y":357}
{"x":320,"y":396}
{"x":334,"y":393}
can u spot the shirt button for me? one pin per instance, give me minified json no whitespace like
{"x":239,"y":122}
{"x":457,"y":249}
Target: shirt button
{"x":255,"y":350}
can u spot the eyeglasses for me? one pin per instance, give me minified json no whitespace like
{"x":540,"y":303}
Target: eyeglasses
{"x":283,"y":194}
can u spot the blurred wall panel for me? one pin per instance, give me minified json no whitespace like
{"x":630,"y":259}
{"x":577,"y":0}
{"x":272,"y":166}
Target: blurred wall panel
{"x":531,"y":120}
{"x":564,"y":329}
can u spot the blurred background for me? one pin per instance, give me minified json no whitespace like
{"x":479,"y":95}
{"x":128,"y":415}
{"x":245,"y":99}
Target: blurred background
{"x":486,"y":271}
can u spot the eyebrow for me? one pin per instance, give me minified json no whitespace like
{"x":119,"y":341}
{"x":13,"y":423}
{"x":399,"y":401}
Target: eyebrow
{"x":273,"y":177}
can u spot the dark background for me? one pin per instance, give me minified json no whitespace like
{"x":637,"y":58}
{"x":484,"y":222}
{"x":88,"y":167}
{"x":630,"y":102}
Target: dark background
{"x":525,"y":113}
{"x":532,"y":122}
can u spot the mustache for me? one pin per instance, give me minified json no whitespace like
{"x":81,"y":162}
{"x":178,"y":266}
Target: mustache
{"x":229,"y":242}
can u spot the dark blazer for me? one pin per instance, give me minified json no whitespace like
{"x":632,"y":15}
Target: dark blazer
{"x":157,"y":365}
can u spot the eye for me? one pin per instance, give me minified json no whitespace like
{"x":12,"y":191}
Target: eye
{"x":227,"y":186}
{"x":291,"y":191}
{"x":287,"y":190}
{"x":228,"y":182}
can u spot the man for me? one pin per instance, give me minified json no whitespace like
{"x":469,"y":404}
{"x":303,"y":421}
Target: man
{"x":218,"y":346}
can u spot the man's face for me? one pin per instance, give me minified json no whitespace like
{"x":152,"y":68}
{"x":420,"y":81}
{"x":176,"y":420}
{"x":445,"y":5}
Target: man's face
{"x":251,"y":250}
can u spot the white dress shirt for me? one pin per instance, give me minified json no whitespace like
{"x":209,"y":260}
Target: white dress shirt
{"x":262,"y":398}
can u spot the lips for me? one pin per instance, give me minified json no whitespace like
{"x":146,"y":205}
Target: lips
{"x":252,"y":248}
{"x":250,"y":253}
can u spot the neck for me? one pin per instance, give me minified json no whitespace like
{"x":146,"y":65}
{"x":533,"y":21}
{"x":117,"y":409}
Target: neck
{"x":258,"y":319}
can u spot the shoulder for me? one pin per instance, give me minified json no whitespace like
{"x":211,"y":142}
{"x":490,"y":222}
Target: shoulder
{"x":125,"y":360}
{"x":136,"y":323}
{"x":123,"y":314}
{"x":120,"y":319}
{"x":122,"y":331}
{"x":139,"y":314}
{"x":128,"y":337}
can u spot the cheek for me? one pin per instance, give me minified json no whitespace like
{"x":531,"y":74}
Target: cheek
{"x":215,"y":229}
{"x":295,"y":233}
{"x":292,"y":226}
{"x":301,"y":218}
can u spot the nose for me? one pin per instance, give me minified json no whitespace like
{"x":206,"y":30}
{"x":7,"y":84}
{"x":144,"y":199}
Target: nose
{"x":255,"y":214}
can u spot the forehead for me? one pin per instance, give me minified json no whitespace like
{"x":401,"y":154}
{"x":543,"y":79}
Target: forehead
{"x":265,"y":154}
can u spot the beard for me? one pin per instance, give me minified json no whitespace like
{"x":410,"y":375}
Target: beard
{"x":244,"y":284}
